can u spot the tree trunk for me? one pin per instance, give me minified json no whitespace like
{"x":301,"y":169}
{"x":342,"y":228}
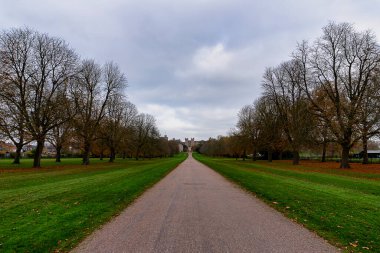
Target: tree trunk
{"x":324,"y":147}
{"x":280,"y":156}
{"x":270,"y":155}
{"x":365,"y":150}
{"x":138,"y":151}
{"x":86,"y":153}
{"x":112,"y":155}
{"x":101,"y":155}
{"x":38,"y":153}
{"x":344,"y":163}
{"x":137,"y":155}
{"x":244,"y":154}
{"x":18,"y":154}
{"x":296,"y":157}
{"x":58,"y":154}
{"x":332,"y":151}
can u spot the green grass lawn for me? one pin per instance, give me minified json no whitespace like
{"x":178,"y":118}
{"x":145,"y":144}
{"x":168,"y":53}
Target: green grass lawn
{"x":344,"y":209}
{"x":52,"y":209}
{"x":45,"y":162}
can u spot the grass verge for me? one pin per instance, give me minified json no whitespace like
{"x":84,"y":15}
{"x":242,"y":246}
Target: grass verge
{"x":343,"y":209}
{"x":55,"y":208}
{"x":27,"y":163}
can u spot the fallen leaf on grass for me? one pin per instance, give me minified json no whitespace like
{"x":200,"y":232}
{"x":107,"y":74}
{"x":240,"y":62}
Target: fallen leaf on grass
{"x":275,"y":202}
{"x":365,"y":248}
{"x":354,"y":244}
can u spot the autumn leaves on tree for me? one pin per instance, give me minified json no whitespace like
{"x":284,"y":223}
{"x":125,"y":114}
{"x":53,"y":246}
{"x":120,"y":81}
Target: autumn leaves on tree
{"x":47,"y":93}
{"x":328,"y":92}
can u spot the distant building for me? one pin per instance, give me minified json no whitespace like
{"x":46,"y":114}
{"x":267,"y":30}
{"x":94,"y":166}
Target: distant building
{"x":49,"y":151}
{"x":371,"y":154}
{"x":190,"y":144}
{"x":6,"y":149}
{"x":29,"y":147}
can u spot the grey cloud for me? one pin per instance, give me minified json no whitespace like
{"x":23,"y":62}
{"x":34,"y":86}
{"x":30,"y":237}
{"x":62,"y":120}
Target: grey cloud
{"x":156,"y":43}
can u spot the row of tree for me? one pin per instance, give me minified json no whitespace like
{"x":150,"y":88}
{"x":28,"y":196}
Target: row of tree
{"x":328,"y":92}
{"x":47,"y":93}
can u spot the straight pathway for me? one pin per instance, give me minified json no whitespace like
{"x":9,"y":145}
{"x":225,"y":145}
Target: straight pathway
{"x":194,"y":209}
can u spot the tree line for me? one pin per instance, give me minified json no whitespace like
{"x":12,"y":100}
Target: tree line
{"x":49,"y":94}
{"x":328,"y":92}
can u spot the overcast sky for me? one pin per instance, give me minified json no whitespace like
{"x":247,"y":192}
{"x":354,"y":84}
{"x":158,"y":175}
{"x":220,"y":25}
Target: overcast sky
{"x":191,"y":63}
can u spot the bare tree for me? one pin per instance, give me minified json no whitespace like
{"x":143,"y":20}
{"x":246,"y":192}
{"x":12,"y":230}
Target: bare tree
{"x":249,"y":128}
{"x":369,"y":123}
{"x":12,"y":127}
{"x":323,"y":137}
{"x":321,"y":133}
{"x":130,"y":115}
{"x":119,"y":115}
{"x":282,"y":86}
{"x":237,"y":144}
{"x":59,"y":137}
{"x":163,"y":147}
{"x":269,"y":123}
{"x":340,"y":63}
{"x":16,"y":46}
{"x":36,"y":69}
{"x":95,"y":87}
{"x":173,"y":147}
{"x":145,"y":131}
{"x":88,"y":94}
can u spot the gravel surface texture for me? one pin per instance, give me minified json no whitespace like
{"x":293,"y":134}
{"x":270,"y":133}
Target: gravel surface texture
{"x":194,"y":209}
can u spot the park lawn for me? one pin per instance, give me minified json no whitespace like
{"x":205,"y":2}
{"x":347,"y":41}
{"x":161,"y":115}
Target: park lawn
{"x":49,"y":163}
{"x":53,"y":209}
{"x":343,"y":209}
{"x":358,"y":170}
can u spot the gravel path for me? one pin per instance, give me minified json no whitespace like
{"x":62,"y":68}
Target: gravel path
{"x":194,"y":209}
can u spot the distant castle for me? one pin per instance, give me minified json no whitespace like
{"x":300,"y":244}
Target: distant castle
{"x":190,"y":144}
{"x":187,"y":146}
